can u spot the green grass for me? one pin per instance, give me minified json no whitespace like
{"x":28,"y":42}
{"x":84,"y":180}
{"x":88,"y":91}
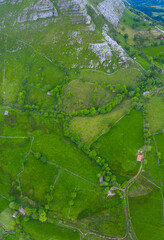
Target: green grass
{"x":64,"y":187}
{"x":91,"y":209}
{"x":13,"y":152}
{"x":89,"y":128}
{"x":143,"y":62}
{"x":153,"y":51}
{"x":152,"y":169}
{"x":6,"y":219}
{"x":101,"y":214}
{"x":146,"y":212}
{"x":159,"y":141}
{"x":52,"y":145}
{"x":141,"y":187}
{"x":47,"y":231}
{"x":82,"y":96}
{"x":120,"y":145}
{"x":155,"y":108}
{"x":37,"y":178}
{"x":128,"y":77}
{"x":4,"y":203}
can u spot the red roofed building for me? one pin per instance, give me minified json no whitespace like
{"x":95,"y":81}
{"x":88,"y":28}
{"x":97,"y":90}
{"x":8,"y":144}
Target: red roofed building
{"x":139,"y":158}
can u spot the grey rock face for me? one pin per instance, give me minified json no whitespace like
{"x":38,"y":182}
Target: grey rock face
{"x":75,"y":9}
{"x":41,"y":9}
{"x":112,"y":10}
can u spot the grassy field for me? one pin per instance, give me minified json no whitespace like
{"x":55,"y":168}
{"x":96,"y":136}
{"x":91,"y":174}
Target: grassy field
{"x":159,"y":141}
{"x":69,"y":170}
{"x":146,"y":212}
{"x":52,"y":145}
{"x":4,"y":203}
{"x":143,"y":62}
{"x":128,"y":77}
{"x":91,"y":209}
{"x":152,"y":169}
{"x":120,"y":145}
{"x":155,"y":108}
{"x":83,"y":93}
{"x":47,"y":231}
{"x":37,"y":178}
{"x":101,"y":214}
{"x":89,"y":128}
{"x":153,"y":51}
{"x":13,"y":152}
{"x":6,"y":219}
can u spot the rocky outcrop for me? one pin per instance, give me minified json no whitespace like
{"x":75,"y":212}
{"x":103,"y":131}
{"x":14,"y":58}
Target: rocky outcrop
{"x":112,"y":10}
{"x":76,"y":9}
{"x":115,"y":47}
{"x":102,"y":50}
{"x":39,"y":10}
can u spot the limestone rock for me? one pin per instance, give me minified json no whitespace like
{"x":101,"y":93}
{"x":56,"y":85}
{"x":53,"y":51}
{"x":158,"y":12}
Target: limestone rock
{"x":39,"y":10}
{"x":76,"y":9}
{"x":112,"y":10}
{"x":102,"y":50}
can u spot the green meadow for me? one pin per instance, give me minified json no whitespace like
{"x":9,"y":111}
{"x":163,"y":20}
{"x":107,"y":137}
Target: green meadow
{"x":147,"y":216}
{"x":90,"y":128}
{"x":128,"y":77}
{"x":120,"y":145}
{"x":82,"y":96}
{"x":46,"y":231}
{"x":155,"y":108}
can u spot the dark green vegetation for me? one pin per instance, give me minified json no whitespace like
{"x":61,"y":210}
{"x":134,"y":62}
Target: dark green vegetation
{"x":153,"y":8}
{"x":69,"y":133}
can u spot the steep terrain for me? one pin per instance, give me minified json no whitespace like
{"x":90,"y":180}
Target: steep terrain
{"x":80,"y":38}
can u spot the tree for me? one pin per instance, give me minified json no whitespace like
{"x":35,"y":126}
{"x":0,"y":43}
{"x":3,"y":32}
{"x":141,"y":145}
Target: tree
{"x":69,"y":94}
{"x":71,"y":203}
{"x":43,"y":217}
{"x":37,"y":155}
{"x":126,"y":36}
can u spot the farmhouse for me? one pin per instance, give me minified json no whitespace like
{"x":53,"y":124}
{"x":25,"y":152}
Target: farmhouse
{"x":48,"y":93}
{"x":139,"y":157}
{"x":15,"y":214}
{"x":21,"y":210}
{"x":101,"y":179}
{"x":147,"y":92}
{"x":6,"y":113}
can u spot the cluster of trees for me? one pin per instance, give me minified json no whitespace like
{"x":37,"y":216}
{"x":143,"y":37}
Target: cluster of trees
{"x":101,"y":110}
{"x":121,"y":92}
{"x":73,"y":197}
{"x":150,"y":78}
{"x":109,"y":178}
{"x":39,"y":156}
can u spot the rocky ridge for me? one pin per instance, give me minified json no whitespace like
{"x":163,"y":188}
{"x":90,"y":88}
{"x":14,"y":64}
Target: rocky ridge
{"x":39,"y":10}
{"x":51,"y":11}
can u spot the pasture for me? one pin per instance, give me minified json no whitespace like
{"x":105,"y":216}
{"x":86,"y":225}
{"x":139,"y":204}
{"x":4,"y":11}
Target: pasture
{"x":6,"y":219}
{"x":37,"y":178}
{"x":120,"y":145}
{"x":153,"y":51}
{"x":128,"y":77}
{"x":71,"y":159}
{"x":155,"y":108}
{"x":90,"y":128}
{"x":68,"y":171}
{"x":46,"y":231}
{"x":82,"y":97}
{"x":147,"y":216}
